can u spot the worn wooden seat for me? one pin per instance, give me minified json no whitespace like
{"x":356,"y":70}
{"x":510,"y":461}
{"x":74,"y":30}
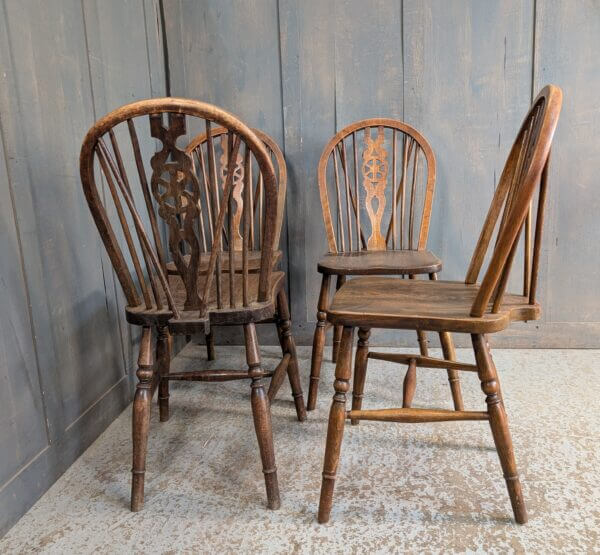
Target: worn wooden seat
{"x":391,"y":262}
{"x":378,"y":175}
{"x":219,"y":264}
{"x":459,"y":307}
{"x":427,"y":305}
{"x":189,"y":321}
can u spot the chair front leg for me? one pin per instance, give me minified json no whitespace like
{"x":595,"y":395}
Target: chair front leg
{"x":318,"y":343}
{"x":261,"y":412}
{"x":335,"y":429}
{"x":499,"y":425}
{"x":141,"y":419}
{"x":163,"y":359}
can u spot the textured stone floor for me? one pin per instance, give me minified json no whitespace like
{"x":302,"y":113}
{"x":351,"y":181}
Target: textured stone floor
{"x":401,"y":488}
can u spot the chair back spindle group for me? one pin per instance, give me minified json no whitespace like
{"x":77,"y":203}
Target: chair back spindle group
{"x":525,"y":169}
{"x":207,"y":203}
{"x":380,"y":175}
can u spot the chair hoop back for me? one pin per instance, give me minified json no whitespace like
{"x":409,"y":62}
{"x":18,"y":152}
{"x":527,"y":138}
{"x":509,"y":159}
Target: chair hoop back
{"x":198,"y":149}
{"x":380,"y":193}
{"x":176,"y":194}
{"x":525,"y":168}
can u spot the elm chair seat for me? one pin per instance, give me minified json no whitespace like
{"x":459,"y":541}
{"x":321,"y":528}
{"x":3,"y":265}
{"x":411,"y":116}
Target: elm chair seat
{"x":390,"y":262}
{"x":419,"y":304}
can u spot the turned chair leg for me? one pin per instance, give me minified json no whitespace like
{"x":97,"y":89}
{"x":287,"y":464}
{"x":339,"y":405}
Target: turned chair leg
{"x":261,"y":412}
{"x":449,"y":354}
{"x":318,"y":344}
{"x":499,"y":425}
{"x":360,"y":370}
{"x":337,"y":330}
{"x":335,"y":429}
{"x":289,"y":346}
{"x":410,"y":384}
{"x":141,"y":419}
{"x":163,"y":359}
{"x":210,"y":345}
{"x":453,"y":377}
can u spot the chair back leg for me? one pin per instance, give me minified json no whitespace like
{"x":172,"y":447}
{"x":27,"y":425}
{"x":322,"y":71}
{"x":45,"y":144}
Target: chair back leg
{"x":261,"y":411}
{"x":318,"y":343}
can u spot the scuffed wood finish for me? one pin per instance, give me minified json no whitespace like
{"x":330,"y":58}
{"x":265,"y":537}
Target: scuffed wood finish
{"x":219,"y":269}
{"x":444,"y":306}
{"x":378,"y":183}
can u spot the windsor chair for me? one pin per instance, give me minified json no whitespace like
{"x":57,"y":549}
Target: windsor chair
{"x":459,"y":307}
{"x":198,"y":149}
{"x":380,"y":227}
{"x":167,"y":299}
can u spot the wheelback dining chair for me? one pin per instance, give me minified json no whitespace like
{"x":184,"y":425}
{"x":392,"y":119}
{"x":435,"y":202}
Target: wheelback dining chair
{"x":198,"y":149}
{"x":459,"y":307}
{"x":185,"y":290}
{"x":381,"y":175}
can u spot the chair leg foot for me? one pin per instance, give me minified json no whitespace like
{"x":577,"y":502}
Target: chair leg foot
{"x":318,"y":345}
{"x":499,"y":425}
{"x":141,"y":419}
{"x":335,"y":430}
{"x":261,"y":412}
{"x":360,"y":371}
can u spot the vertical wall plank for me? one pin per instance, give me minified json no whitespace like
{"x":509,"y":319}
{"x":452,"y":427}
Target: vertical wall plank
{"x":566,"y":54}
{"x":467,"y":87}
{"x":307,"y":60}
{"x":22,"y":418}
{"x":63,"y":63}
{"x":368,"y":60}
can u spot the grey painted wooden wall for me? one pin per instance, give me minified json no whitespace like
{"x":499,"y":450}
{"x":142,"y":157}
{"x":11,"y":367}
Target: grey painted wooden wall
{"x":463,"y":72}
{"x":65,"y":354}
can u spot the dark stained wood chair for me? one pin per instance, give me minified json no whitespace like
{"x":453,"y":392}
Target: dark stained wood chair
{"x":381,"y":175}
{"x":198,"y":218}
{"x":458,"y":307}
{"x":198,"y":149}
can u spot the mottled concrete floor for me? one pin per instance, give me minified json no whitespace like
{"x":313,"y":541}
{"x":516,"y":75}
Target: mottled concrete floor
{"x":416,"y":488}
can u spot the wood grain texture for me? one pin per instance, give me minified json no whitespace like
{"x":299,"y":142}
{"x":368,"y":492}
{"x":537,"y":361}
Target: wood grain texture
{"x":61,"y":64}
{"x":448,"y":68}
{"x":567,"y":41}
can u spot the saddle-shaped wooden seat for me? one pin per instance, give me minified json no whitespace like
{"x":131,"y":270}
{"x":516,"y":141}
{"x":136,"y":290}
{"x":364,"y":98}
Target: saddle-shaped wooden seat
{"x":438,"y":306}
{"x":390,"y":262}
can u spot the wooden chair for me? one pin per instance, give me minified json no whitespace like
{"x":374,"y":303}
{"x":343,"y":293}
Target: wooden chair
{"x":198,"y":149}
{"x":458,"y":307}
{"x":381,"y":174}
{"x":198,"y":218}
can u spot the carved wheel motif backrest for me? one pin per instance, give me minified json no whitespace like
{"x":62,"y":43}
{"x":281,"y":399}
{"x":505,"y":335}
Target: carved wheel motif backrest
{"x":525,"y":169}
{"x":221,"y":143}
{"x":181,"y":199}
{"x":376,"y":181}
